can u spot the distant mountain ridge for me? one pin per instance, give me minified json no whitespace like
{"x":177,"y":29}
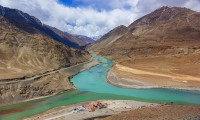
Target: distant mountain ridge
{"x":33,"y":25}
{"x":96,"y":37}
{"x":86,"y":39}
{"x":81,"y":40}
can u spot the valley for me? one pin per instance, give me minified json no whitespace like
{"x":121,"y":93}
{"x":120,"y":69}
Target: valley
{"x":148,"y":66}
{"x":96,"y":79}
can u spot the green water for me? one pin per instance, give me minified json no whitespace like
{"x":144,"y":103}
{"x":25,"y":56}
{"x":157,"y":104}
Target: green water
{"x":92,"y":85}
{"x":96,"y":82}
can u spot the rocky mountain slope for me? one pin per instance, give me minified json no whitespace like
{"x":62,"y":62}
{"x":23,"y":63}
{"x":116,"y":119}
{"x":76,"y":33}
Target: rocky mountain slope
{"x":166,"y":27}
{"x":108,"y":39}
{"x":33,"y":25}
{"x":80,"y":40}
{"x":24,"y":55}
{"x":164,"y":41}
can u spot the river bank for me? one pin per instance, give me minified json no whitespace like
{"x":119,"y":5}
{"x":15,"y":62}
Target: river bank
{"x":113,"y":107}
{"x":126,"y":77}
{"x":43,"y":84}
{"x":92,"y":85}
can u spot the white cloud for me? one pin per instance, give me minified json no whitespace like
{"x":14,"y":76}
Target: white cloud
{"x":89,"y":20}
{"x":193,"y":5}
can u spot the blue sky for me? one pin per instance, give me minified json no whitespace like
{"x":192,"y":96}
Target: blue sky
{"x":99,"y":5}
{"x":92,"y":17}
{"x":72,"y":3}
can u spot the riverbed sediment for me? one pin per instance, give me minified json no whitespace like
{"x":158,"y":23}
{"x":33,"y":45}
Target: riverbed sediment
{"x":125,"y":77}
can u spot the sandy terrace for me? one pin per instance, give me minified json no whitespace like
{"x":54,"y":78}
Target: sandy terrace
{"x":124,"y":76}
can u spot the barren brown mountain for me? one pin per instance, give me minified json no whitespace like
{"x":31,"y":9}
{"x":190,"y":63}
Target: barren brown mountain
{"x":159,"y":49}
{"x":33,"y":25}
{"x":108,"y":39}
{"x":25,"y":60}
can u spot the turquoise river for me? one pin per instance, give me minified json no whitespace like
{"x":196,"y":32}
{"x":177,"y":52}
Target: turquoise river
{"x":92,"y":85}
